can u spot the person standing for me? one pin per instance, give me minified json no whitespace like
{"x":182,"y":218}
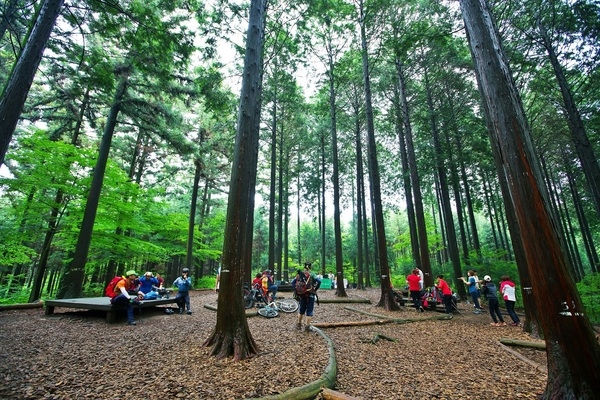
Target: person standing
{"x":308,"y":281}
{"x":414,"y":287}
{"x":183,"y":284}
{"x":421,"y":278}
{"x":473,"y":290}
{"x":443,"y":286}
{"x":507,"y":288}
{"x":489,"y":290}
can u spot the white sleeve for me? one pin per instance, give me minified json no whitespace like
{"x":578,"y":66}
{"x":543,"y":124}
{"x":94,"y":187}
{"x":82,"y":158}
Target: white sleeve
{"x":124,"y":292}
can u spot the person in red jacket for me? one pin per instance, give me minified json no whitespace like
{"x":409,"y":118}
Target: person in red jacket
{"x":446,"y":293}
{"x":414,"y":287}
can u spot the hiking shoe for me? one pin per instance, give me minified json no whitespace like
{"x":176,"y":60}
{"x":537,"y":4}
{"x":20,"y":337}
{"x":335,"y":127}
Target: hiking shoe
{"x":421,"y":309}
{"x":131,"y":322}
{"x":477,"y":312}
{"x":299,"y":326}
{"x":181,"y":311}
{"x":514,"y":324}
{"x":189,"y":312}
{"x":307,"y":328}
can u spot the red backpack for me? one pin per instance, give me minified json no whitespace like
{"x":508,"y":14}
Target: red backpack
{"x":304,"y":284}
{"x":112,"y":285}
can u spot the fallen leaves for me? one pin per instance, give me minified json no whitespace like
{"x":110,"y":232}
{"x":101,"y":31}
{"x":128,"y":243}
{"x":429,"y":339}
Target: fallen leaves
{"x":77,"y":355}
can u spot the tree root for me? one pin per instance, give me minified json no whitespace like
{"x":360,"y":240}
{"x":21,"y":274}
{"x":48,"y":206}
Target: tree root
{"x":376,"y":339}
{"x":328,"y":394}
{"x":539,"y":367}
{"x":312,"y":389}
{"x":522,"y":343}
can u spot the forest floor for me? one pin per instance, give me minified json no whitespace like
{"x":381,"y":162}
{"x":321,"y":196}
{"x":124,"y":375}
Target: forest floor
{"x":77,"y":355}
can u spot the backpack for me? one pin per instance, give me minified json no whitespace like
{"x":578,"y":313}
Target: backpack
{"x":110,"y":288}
{"x":304,"y":285}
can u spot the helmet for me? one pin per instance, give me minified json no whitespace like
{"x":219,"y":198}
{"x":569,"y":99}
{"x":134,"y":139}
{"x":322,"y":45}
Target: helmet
{"x":185,"y":270}
{"x":487,"y":278}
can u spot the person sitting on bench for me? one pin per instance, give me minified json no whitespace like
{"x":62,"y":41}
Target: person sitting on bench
{"x":122,"y":296}
{"x":149,"y":285}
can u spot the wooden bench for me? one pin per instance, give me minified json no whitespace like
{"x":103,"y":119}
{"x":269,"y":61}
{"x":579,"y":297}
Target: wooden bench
{"x":101,"y":304}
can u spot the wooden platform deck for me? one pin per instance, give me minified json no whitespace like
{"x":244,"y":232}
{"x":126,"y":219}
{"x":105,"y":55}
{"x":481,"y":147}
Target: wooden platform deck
{"x":101,"y":304}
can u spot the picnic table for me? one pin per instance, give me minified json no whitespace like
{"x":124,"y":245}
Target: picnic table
{"x":101,"y":304}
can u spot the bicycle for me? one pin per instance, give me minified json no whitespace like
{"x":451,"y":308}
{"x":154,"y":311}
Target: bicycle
{"x":272,"y":309}
{"x":255,"y":295}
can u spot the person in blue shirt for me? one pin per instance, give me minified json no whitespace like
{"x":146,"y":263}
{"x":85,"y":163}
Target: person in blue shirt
{"x":148,"y":286}
{"x":183,"y":284}
{"x":473,"y":290}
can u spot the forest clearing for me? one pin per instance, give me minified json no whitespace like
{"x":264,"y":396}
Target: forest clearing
{"x":77,"y":355}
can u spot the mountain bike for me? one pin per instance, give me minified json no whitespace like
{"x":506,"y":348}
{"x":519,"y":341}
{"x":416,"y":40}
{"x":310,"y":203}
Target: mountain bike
{"x":272,"y":309}
{"x":255,"y":295}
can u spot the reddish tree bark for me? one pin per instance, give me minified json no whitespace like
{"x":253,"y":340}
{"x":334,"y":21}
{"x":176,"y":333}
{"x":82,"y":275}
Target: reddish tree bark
{"x":572,"y":350}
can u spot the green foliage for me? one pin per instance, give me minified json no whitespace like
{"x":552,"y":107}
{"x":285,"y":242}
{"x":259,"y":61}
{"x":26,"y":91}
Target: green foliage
{"x":14,"y":295}
{"x":588,"y":288}
{"x":206,"y":282}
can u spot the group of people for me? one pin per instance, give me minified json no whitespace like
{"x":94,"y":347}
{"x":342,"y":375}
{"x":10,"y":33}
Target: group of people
{"x":266,"y":282}
{"x":129,"y":289}
{"x":476,"y":288}
{"x":488,"y":289}
{"x":415,"y":282}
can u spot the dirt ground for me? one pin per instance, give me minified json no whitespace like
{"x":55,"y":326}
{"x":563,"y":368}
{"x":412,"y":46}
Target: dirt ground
{"x":77,"y":355}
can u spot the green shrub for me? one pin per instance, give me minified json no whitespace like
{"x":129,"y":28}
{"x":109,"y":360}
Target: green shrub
{"x":588,"y":289}
{"x":206,"y":282}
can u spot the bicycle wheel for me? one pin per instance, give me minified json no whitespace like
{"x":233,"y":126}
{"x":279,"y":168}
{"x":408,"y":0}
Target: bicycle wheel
{"x":268,"y":312}
{"x":287,"y":305}
{"x":248,"y":299}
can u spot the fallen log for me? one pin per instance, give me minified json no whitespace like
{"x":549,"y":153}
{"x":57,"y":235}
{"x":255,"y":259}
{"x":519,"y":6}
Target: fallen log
{"x":344,"y":300}
{"x":400,"y":320}
{"x":539,"y":367}
{"x":522,"y":343}
{"x":214,"y":308}
{"x":21,"y":306}
{"x":329,"y":394}
{"x":350,"y":323}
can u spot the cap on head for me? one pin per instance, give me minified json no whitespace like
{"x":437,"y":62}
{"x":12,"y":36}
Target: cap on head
{"x":131,"y":272}
{"x":487,"y":278}
{"x":185,"y":270}
{"x":148,"y":273}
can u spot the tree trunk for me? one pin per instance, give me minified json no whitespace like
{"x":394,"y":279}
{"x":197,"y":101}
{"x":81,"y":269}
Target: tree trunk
{"x":585,"y":150}
{"x":425,"y":258}
{"x":273,"y":183}
{"x":18,"y":85}
{"x":232,"y":336}
{"x":410,"y":208}
{"x":337,"y":225}
{"x":444,"y":192}
{"x":359,"y":200}
{"x":572,"y":350}
{"x":386,"y":300}
{"x":189,"y":259}
{"x":72,"y":281}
